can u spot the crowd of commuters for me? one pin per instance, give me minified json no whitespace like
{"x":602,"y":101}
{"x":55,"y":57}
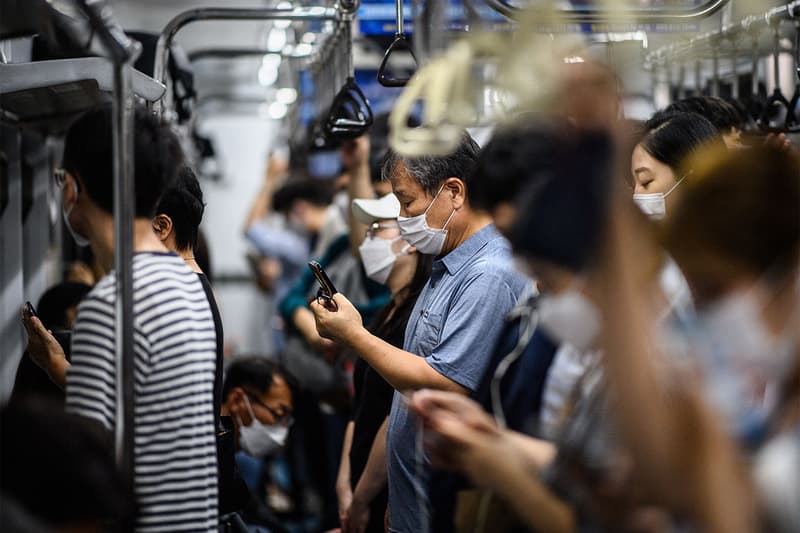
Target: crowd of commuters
{"x":586,"y":324}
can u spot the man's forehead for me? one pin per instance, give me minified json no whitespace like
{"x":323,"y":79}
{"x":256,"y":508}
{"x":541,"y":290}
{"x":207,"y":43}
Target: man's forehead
{"x":403,"y":183}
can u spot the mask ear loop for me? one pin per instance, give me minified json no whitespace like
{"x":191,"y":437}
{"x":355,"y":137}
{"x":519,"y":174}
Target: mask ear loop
{"x":675,"y":186}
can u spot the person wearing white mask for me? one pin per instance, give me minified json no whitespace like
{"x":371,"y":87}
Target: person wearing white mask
{"x":257,"y":395}
{"x":457,"y":317}
{"x":658,"y":162}
{"x":388,"y":259}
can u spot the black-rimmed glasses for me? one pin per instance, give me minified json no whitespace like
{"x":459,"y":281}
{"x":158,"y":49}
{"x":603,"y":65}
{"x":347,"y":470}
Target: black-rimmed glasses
{"x":283,"y":417}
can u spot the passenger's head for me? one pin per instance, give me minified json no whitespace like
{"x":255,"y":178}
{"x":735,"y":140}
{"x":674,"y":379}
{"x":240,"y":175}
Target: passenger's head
{"x":722,"y":115}
{"x":88,"y":190}
{"x":514,"y":158}
{"x":259,"y":395}
{"x":436,"y":187}
{"x":738,"y":223}
{"x":304,"y":203}
{"x":562,"y":211}
{"x":58,"y":305}
{"x":662,"y":158}
{"x":387,"y":257}
{"x":180,"y":212}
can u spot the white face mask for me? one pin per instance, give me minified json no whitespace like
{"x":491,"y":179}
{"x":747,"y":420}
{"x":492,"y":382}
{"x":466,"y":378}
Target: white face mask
{"x":378,"y":258}
{"x":79,"y":239}
{"x":654,"y":205}
{"x":742,"y":362}
{"x":417,"y":233}
{"x":570,"y":318}
{"x":259,"y":439}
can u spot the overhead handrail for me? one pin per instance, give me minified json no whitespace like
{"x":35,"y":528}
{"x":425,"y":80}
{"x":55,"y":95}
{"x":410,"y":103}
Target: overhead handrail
{"x":400,"y":42}
{"x":313,"y":13}
{"x":643,"y":16}
{"x":350,"y":115}
{"x":776,"y":109}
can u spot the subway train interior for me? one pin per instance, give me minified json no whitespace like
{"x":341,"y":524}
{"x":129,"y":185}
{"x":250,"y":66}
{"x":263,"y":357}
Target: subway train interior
{"x":400,"y":265}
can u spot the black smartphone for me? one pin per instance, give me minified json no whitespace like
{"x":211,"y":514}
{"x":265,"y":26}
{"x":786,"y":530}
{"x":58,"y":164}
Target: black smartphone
{"x":326,"y":286}
{"x":30,"y":309}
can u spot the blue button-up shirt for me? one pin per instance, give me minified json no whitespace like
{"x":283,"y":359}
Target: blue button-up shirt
{"x":454,"y":325}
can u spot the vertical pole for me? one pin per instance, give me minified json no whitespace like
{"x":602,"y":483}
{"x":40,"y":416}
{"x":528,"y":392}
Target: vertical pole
{"x":124,"y":209}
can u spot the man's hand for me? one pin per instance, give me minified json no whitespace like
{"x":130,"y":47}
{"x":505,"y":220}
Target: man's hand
{"x":340,"y":325}
{"x":355,"y":152}
{"x":461,"y":436}
{"x":44,"y":349}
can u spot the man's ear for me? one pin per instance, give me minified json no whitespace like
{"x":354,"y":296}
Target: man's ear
{"x":456,"y":190}
{"x":162,"y":226}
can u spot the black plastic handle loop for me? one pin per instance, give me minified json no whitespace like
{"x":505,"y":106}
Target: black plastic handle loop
{"x":793,"y":116}
{"x":350,"y":115}
{"x":400,"y":42}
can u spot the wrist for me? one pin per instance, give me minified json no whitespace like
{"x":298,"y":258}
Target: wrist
{"x":355,"y":336}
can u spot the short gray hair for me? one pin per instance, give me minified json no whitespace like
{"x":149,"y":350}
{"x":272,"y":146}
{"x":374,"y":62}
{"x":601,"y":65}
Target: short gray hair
{"x":430,"y":171}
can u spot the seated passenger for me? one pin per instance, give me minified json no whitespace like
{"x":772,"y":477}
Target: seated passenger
{"x":175,"y":459}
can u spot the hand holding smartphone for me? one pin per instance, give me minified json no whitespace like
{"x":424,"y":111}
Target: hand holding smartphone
{"x":326,"y":287}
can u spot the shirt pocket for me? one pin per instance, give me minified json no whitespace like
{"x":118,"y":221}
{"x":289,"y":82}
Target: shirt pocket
{"x":428,"y":332}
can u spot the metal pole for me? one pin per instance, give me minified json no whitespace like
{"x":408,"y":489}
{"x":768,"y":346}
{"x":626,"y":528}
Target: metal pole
{"x":123,"y":52}
{"x":124,"y":209}
{"x":316,"y":13}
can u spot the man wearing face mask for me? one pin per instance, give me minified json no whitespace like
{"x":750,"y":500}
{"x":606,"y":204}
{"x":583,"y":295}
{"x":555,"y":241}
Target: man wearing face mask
{"x":456,"y":320}
{"x":258,"y":401}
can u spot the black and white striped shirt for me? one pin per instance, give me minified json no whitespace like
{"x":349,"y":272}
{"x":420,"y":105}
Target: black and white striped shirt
{"x":175,"y":459}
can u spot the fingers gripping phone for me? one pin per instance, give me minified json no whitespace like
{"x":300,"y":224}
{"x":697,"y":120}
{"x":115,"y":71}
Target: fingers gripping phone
{"x":326,"y":287}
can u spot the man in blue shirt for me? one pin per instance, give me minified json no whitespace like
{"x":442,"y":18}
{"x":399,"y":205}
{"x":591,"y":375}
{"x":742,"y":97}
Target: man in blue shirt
{"x":457,"y":318}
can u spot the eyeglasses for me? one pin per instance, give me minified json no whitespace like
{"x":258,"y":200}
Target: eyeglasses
{"x":375,"y":227}
{"x":283,"y":417}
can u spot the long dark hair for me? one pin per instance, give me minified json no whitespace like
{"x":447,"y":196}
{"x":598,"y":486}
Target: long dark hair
{"x":674,"y":138}
{"x":402,"y":303}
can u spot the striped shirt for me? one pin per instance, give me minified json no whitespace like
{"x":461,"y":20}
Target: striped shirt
{"x":175,"y":463}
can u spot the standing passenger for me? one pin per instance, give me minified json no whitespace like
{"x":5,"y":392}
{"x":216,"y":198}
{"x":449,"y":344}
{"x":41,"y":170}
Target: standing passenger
{"x":455,"y":322}
{"x":175,"y":461}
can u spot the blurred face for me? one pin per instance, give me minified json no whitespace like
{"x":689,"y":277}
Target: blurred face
{"x":649,"y":174}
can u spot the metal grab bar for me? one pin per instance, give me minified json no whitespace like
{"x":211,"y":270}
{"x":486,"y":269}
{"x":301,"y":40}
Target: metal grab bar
{"x":749,"y":24}
{"x":400,"y":41}
{"x":314,"y":13}
{"x":123,"y":53}
{"x":643,"y":16}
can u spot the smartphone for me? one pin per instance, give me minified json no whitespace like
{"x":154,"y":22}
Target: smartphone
{"x":326,"y":286}
{"x":30,"y":309}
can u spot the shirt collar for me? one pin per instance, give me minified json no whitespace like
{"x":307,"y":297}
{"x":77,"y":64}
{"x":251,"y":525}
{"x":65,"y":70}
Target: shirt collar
{"x":459,"y":257}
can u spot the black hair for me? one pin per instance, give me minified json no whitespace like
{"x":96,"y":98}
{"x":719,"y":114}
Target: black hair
{"x":183,"y":203}
{"x":54,"y":303}
{"x":59,"y":467}
{"x":319,"y":193}
{"x":431,"y":170}
{"x":673,"y":138}
{"x":256,"y":373}
{"x":513,"y":158}
{"x":722,"y":115}
{"x":563,"y":212}
{"x":88,"y":154}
